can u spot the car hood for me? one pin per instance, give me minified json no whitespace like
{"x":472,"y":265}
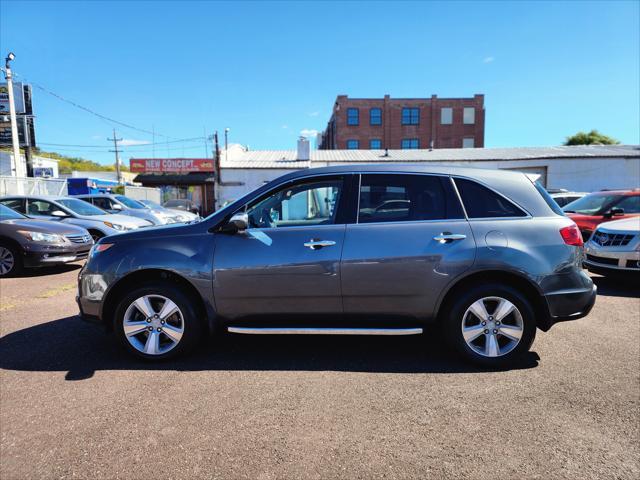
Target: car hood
{"x":44,"y":226}
{"x":627,"y":225}
{"x":125,"y":220}
{"x":172,"y":229}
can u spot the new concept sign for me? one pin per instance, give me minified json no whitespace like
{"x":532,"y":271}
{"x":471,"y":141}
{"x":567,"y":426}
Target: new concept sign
{"x":170,"y":165}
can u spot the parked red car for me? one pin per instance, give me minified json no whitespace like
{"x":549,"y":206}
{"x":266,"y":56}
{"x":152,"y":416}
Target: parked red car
{"x":598,"y":207}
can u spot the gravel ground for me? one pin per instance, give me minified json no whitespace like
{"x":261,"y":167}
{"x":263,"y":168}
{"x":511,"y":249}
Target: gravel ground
{"x":72,"y":405}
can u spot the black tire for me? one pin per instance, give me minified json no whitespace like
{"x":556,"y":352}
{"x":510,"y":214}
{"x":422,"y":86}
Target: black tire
{"x":16,"y":255}
{"x":453,"y":322}
{"x":193,"y":328}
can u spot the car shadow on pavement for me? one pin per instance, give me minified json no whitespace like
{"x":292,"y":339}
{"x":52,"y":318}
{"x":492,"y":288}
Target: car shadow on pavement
{"x":52,"y":270}
{"x":617,"y":286}
{"x":81,"y":349}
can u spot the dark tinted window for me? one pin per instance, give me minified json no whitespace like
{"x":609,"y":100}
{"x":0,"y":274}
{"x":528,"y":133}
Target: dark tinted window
{"x":480,"y":202}
{"x":554,"y":204}
{"x":101,"y":202}
{"x":397,"y":198}
{"x":630,"y":204}
{"x":16,"y":203}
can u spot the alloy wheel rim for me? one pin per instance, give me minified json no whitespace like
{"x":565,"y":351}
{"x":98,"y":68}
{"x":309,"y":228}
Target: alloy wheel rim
{"x":492,"y":326}
{"x":153,"y":324}
{"x":6,"y":261}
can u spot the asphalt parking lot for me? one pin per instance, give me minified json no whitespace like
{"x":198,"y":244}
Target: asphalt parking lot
{"x":74,"y":406}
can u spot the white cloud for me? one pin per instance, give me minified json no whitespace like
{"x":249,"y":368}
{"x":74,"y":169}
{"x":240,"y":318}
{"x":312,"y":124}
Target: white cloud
{"x":127,"y":142}
{"x":488,"y":59}
{"x":314,"y":114}
{"x":309,"y":132}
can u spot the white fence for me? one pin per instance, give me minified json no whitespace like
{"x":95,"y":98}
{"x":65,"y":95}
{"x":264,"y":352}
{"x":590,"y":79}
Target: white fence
{"x":32,"y":186}
{"x":143,"y":193}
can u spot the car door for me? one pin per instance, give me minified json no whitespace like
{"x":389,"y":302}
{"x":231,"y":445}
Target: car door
{"x":410,"y":241}
{"x":288,"y":260}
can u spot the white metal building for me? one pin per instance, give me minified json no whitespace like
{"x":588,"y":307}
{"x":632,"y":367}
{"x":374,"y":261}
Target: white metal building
{"x":43,"y":166}
{"x":579,"y":168}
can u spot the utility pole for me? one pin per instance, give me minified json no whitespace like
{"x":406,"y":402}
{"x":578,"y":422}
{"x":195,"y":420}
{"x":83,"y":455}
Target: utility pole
{"x":16,"y":166}
{"x":226,"y":143}
{"x":115,"y":141}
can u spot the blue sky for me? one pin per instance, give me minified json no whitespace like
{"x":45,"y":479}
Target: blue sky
{"x":270,"y":70}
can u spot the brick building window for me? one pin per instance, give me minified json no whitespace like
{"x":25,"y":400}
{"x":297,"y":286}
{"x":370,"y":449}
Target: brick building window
{"x":375,"y":116}
{"x":375,"y":144}
{"x":410,"y":116}
{"x":467,"y":143}
{"x":353,"y":144}
{"x":409,"y":143}
{"x":446,"y":116}
{"x":353,"y":116}
{"x":469,"y":117}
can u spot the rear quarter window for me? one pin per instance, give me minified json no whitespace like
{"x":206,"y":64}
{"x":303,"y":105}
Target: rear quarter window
{"x":553,"y":205}
{"x":481,"y":202}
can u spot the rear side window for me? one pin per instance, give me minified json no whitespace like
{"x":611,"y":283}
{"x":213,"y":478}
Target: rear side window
{"x":401,"y":198}
{"x":630,"y":204}
{"x":480,"y":202}
{"x":553,"y":204}
{"x":15,"y":203}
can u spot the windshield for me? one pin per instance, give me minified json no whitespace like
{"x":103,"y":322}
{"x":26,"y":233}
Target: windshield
{"x":150,"y":203}
{"x":80,"y":207}
{"x":129,"y":202}
{"x":176,"y":203}
{"x":8,"y":214}
{"x":594,"y":204}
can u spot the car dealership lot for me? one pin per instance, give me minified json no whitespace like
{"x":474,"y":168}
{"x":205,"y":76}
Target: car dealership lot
{"x":74,"y":405}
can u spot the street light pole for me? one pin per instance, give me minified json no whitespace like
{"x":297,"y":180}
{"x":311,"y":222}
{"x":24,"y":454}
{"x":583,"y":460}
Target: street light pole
{"x":16,"y":166}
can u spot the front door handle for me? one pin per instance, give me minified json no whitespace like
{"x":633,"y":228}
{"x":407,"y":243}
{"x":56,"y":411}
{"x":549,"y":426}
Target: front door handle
{"x":318,"y":244}
{"x":447,"y":237}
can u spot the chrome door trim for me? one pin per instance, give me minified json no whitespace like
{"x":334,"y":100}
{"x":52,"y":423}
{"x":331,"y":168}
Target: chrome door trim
{"x":325,"y":331}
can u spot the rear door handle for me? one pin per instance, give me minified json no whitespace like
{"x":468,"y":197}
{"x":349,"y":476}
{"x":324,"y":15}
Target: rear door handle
{"x":446,"y":237}
{"x":318,"y":244}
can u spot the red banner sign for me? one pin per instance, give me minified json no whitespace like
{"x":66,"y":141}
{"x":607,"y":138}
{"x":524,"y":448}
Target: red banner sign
{"x":170,"y":165}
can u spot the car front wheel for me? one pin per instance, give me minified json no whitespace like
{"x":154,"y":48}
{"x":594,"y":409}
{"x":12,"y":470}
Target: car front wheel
{"x":491,"y":325}
{"x":157,"y":321}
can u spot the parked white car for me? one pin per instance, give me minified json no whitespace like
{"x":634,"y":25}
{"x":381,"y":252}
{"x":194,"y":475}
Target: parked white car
{"x":563,"y":198}
{"x":614,"y":247}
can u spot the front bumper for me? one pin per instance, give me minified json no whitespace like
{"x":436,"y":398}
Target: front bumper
{"x":611,"y":258}
{"x":38,"y":256}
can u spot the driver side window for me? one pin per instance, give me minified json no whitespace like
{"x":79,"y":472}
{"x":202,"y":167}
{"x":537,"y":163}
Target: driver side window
{"x":41,"y":208}
{"x":302,"y":204}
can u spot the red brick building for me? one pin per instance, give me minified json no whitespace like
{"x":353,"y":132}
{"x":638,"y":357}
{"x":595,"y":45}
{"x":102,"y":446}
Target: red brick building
{"x":397,"y":123}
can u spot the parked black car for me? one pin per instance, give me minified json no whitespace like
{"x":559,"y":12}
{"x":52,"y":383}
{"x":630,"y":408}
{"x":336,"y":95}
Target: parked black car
{"x":25,"y":242}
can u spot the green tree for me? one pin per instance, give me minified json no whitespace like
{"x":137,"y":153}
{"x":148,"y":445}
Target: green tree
{"x":594,"y":137}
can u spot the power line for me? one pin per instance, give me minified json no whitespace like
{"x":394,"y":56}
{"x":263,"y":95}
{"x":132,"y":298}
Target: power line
{"x":86,"y":109}
{"x":194,"y":139}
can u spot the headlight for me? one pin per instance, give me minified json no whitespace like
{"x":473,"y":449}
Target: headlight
{"x":115,"y":226}
{"x":42,"y":237}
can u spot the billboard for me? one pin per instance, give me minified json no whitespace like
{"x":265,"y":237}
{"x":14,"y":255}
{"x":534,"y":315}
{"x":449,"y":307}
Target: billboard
{"x":24,"y":131}
{"x":18,"y":96}
{"x":170,"y":165}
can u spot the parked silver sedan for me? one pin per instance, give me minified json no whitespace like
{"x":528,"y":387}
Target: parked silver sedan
{"x":71,"y":210}
{"x":124,"y":205}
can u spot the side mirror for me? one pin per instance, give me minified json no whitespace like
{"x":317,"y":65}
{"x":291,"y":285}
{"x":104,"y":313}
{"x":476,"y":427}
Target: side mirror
{"x":614,"y":212}
{"x":116,"y":206}
{"x":238,"y":223}
{"x":59,"y":214}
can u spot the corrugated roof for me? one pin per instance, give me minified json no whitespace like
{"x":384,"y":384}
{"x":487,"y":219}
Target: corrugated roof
{"x":286,"y":159}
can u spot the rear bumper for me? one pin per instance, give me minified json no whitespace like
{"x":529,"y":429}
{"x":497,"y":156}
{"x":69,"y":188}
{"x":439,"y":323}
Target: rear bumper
{"x":568,"y":305}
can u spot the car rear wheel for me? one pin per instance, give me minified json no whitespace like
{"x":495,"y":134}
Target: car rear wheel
{"x":10,"y":261}
{"x":157,"y":321}
{"x":491,"y":325}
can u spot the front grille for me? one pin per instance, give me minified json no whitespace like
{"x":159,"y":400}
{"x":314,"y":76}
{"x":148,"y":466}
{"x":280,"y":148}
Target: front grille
{"x":603,"y":260}
{"x":79,"y":238}
{"x":605,"y":239}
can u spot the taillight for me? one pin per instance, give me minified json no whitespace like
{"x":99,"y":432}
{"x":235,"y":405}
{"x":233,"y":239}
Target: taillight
{"x":572,"y":236}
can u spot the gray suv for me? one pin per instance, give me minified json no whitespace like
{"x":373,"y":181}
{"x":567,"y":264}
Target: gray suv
{"x":485,"y":256}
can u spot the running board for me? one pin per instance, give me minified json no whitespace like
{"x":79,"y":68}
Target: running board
{"x":326,"y":331}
